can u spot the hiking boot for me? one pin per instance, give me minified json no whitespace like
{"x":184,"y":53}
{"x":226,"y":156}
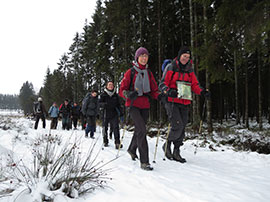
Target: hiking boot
{"x":177,"y":156}
{"x":133,"y":156}
{"x":117,"y":146}
{"x":106,"y":144}
{"x":168,"y":153}
{"x":146,"y":166}
{"x":86,"y":135}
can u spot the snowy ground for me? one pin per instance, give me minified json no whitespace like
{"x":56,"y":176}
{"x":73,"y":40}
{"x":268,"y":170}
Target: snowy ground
{"x":223,"y":175}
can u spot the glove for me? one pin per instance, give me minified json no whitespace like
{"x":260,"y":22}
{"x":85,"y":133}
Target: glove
{"x":173,"y":93}
{"x":97,"y":116}
{"x":131,"y":94}
{"x":206,"y":94}
{"x":160,"y":97}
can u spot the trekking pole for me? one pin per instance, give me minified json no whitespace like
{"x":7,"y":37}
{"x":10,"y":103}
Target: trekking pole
{"x":200,"y":128}
{"x":155,"y":154}
{"x":121,"y":140}
{"x":204,"y":106}
{"x":166,"y":144}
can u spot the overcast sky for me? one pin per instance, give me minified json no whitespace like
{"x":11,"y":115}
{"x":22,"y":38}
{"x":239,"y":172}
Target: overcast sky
{"x":34,"y":35}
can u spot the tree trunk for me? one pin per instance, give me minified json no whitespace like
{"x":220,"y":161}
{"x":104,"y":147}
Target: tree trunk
{"x":194,"y":118}
{"x":259,"y":92}
{"x":236,"y":90}
{"x":159,"y":52}
{"x":246,"y":102}
{"x":207,"y":80}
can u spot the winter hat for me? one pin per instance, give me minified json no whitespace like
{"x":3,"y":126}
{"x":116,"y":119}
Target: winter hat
{"x":40,"y":99}
{"x":141,"y":51}
{"x":183,"y":50}
{"x":94,"y":90}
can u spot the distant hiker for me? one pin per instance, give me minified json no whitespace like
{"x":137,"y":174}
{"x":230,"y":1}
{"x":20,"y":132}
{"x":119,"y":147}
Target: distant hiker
{"x":39,"y":112}
{"x":65,"y":112}
{"x":177,"y":83}
{"x":83,"y":119}
{"x":136,"y":87}
{"x":111,"y":111}
{"x":54,"y":113}
{"x":90,"y":111}
{"x":75,"y":114}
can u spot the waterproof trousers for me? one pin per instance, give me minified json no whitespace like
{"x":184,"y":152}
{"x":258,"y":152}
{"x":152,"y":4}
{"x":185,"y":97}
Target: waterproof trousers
{"x":178,"y":122}
{"x":114,"y":126}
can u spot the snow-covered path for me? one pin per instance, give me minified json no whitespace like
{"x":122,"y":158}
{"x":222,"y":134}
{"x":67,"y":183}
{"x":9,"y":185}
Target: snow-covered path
{"x":223,"y":175}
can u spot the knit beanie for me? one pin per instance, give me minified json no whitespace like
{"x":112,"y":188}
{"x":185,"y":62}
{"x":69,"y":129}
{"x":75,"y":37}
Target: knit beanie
{"x":141,"y":51}
{"x":183,"y":50}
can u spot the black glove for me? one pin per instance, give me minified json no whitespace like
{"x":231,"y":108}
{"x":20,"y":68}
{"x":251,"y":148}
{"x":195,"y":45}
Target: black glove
{"x":173,"y":93}
{"x":131,"y":94}
{"x":160,"y":97}
{"x":97,"y":116}
{"x":206,"y":94}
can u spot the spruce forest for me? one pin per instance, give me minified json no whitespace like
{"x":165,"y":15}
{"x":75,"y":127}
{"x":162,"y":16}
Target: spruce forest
{"x":229,"y":39}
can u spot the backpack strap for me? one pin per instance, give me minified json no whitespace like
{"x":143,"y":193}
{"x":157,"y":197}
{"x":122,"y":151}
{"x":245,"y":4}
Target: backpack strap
{"x":132,"y":74}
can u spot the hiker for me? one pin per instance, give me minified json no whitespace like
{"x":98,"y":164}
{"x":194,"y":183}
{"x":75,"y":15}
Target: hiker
{"x":54,"y":113}
{"x":75,"y":114}
{"x":111,"y":111}
{"x":83,"y":119}
{"x":39,"y":112}
{"x":177,"y":83}
{"x":65,"y":112}
{"x":91,"y":112}
{"x":136,"y":87}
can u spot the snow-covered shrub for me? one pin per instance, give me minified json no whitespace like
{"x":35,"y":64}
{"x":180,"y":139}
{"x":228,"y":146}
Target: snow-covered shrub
{"x":59,"y":168}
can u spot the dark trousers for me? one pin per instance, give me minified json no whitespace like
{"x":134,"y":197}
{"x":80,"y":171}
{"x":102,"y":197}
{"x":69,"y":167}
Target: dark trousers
{"x":139,"y":117}
{"x":75,"y":122}
{"x":178,"y":122}
{"x":83,"y":122}
{"x":42,"y":117}
{"x":66,"y":123}
{"x":114,"y":126}
{"x":91,"y":125}
{"x":54,"y":122}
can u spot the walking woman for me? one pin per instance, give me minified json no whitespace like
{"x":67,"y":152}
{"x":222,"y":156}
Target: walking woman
{"x":136,"y":87}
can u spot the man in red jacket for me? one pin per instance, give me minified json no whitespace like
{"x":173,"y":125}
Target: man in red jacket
{"x":177,"y":83}
{"x":137,"y":93}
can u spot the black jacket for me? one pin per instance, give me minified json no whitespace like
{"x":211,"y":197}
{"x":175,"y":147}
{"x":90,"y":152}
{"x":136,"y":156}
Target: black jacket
{"x":90,"y":106}
{"x":76,"y":111}
{"x":110,"y":105}
{"x":65,"y":110}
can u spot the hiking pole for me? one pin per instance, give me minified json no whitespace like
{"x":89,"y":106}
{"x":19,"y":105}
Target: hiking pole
{"x":200,"y":128}
{"x":204,"y":106}
{"x":166,"y":144}
{"x":121,"y":140}
{"x":155,"y":154}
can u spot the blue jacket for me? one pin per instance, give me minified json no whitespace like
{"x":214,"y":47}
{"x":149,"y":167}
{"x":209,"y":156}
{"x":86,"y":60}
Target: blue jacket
{"x":53,"y":111}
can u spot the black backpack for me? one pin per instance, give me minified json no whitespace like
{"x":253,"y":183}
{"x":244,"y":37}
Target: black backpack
{"x":38,"y":108}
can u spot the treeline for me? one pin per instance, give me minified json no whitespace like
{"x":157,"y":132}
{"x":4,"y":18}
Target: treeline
{"x":230,"y":50}
{"x":9,"y":101}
